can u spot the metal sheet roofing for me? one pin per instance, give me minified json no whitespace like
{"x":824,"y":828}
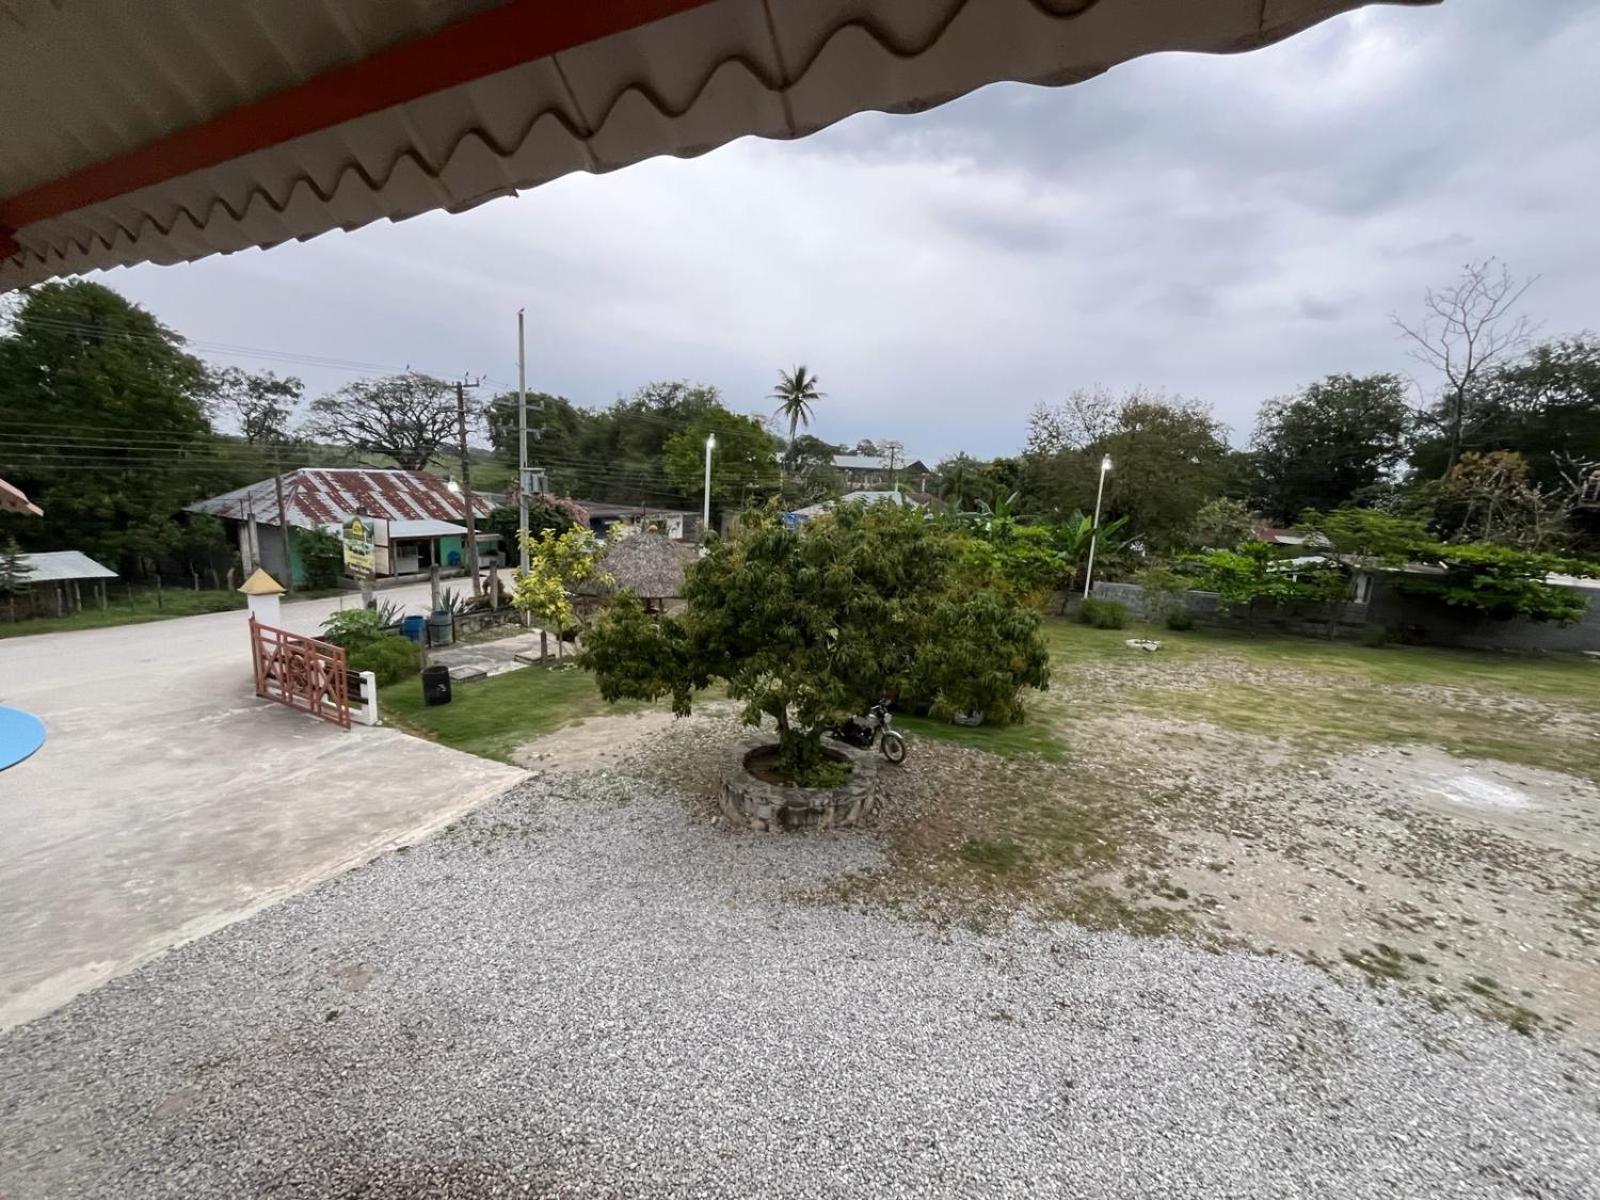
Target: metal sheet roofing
{"x":54,"y":566}
{"x":317,"y":496}
{"x":425,"y":529}
{"x":171,"y":129}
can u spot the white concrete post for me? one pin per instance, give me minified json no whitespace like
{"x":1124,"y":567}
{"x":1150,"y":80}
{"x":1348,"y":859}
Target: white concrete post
{"x":367,"y":710}
{"x":261,"y":593}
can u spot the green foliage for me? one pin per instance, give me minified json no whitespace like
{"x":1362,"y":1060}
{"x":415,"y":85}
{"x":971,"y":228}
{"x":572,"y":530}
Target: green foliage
{"x":1374,"y":635}
{"x":809,"y":625}
{"x":353,"y":627}
{"x":1324,"y":446}
{"x":321,"y":555}
{"x":1500,"y":582}
{"x":557,"y":564}
{"x":1022,"y":562}
{"x":390,"y":658}
{"x":1367,"y":534}
{"x":742,"y":466}
{"x":1169,"y":456}
{"x":796,"y":395}
{"x":1103,"y":614}
{"x":1221,"y":524}
{"x":13,"y":571}
{"x":406,"y":417}
{"x":981,"y":649}
{"x":555,"y":513}
{"x":79,"y":359}
{"x":261,"y":406}
{"x":1248,"y":576}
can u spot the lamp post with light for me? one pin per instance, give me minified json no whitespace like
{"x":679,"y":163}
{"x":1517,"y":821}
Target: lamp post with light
{"x":1094,"y":533}
{"x":705,"y":520}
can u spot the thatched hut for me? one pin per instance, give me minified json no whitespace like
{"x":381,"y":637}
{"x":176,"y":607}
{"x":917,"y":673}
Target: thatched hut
{"x":650,"y":565}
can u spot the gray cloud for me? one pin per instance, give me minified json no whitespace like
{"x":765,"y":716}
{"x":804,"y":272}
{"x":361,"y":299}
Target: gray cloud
{"x":1229,"y":228}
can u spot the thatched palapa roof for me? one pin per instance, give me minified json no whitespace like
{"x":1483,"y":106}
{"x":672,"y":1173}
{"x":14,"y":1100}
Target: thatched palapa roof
{"x":650,"y":565}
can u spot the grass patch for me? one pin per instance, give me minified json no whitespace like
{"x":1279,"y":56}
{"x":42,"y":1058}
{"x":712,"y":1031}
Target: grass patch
{"x":142,"y":607}
{"x":1379,"y":963}
{"x":994,"y":855}
{"x":1036,"y":735}
{"x":492,"y":717}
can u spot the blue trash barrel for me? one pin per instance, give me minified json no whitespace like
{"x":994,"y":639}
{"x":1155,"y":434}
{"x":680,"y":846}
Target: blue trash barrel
{"x":413,"y":628}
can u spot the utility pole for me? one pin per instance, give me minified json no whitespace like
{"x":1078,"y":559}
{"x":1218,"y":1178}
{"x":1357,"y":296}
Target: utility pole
{"x":892,"y":449}
{"x":522,"y":446}
{"x":283,"y":518}
{"x":466,"y":485}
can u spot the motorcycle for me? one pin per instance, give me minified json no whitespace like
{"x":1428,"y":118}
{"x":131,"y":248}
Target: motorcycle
{"x":861,"y":732}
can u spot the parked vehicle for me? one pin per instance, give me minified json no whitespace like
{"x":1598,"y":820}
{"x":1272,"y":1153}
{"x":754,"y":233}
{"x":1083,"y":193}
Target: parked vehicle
{"x":861,"y":732}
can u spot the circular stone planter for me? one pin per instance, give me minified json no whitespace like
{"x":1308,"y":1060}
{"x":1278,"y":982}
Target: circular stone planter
{"x":752,"y":803}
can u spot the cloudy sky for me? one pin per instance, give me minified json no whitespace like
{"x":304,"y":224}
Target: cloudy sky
{"x":1227,"y":228}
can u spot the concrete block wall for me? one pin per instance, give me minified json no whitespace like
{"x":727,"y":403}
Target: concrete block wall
{"x":1409,"y":618}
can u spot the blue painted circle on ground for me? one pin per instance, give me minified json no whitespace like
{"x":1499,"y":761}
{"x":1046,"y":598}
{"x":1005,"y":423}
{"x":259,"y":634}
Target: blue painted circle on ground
{"x":20,"y":735}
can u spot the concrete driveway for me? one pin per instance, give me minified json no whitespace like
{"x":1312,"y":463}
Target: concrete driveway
{"x":168,"y":801}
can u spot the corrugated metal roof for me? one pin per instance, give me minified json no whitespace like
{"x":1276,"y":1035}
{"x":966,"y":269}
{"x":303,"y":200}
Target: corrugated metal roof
{"x":54,"y":566}
{"x":316,"y":496}
{"x":89,"y":80}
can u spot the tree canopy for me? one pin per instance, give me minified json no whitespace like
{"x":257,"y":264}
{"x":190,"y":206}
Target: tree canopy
{"x":407,"y":417}
{"x":106,"y":429}
{"x":1329,"y":443}
{"x":808,"y":626}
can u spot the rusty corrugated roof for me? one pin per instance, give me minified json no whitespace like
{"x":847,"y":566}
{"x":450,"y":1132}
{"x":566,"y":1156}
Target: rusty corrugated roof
{"x":169,"y":130}
{"x":317,"y":496}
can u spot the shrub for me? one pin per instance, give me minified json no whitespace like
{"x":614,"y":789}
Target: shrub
{"x":353,"y":627}
{"x":1374,"y":635}
{"x":1180,"y":621}
{"x":1103,"y":614}
{"x":390,"y":657}
{"x":322,"y":556}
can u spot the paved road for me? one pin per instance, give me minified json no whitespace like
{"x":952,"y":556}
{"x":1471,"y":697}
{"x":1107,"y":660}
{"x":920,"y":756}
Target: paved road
{"x":168,"y":801}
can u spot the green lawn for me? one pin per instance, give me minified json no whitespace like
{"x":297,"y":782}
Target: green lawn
{"x":174,"y":602}
{"x":492,"y":717}
{"x":1321,"y":694}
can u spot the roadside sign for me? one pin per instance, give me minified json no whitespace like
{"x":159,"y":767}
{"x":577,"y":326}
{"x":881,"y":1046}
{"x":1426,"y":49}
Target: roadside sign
{"x":358,"y":546}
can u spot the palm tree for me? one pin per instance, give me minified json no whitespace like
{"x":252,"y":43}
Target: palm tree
{"x":796,"y":393}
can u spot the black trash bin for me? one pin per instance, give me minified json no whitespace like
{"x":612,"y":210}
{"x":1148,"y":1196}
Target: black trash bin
{"x":436,"y":684}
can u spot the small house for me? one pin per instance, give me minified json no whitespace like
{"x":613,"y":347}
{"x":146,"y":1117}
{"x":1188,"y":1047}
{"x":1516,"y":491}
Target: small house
{"x":417,"y":521}
{"x":872,"y":472}
{"x":678,"y":524}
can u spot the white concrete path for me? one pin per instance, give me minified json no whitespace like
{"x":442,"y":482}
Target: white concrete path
{"x":168,"y":801}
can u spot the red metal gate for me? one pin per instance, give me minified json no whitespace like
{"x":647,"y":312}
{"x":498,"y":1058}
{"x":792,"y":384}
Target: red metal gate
{"x":301,"y":672}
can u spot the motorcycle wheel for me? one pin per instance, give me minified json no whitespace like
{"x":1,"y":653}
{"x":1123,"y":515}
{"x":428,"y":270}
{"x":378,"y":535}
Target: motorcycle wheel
{"x":893,"y":747}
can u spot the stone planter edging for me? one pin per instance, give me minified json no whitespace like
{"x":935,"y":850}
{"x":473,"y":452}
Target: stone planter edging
{"x":753,"y":803}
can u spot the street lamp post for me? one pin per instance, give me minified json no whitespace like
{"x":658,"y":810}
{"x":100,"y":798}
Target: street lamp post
{"x":1094,"y":533}
{"x":705,"y":520}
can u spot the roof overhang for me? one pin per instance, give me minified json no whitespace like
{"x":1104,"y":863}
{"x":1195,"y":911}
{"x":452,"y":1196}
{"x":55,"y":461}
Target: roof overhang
{"x":169,"y":130}
{"x":13,"y":500}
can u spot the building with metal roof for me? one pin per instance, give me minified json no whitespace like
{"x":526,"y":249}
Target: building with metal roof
{"x":169,"y":130}
{"x":60,"y":574}
{"x":416,"y":518}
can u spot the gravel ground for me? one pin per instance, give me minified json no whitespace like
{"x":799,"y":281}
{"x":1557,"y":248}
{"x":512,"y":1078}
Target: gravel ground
{"x":580,"y":991}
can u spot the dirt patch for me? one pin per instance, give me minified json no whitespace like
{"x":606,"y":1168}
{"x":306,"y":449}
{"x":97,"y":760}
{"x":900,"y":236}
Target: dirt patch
{"x":595,"y":742}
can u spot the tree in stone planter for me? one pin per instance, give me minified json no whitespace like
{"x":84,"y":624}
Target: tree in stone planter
{"x":809,"y":625}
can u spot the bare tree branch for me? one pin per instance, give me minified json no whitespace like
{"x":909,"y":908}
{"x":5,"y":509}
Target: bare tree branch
{"x":1466,"y":330}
